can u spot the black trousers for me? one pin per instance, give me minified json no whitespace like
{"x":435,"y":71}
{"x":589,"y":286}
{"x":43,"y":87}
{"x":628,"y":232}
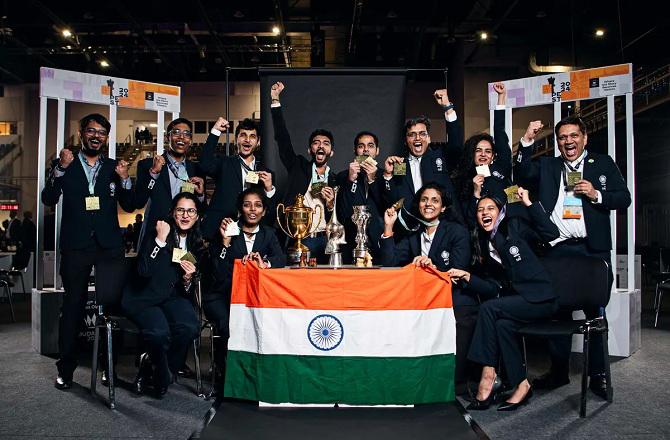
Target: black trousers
{"x":217,"y":312}
{"x":466,"y":320}
{"x":560,"y":347}
{"x":167,"y":331}
{"x":496,"y":332}
{"x":75,"y":269}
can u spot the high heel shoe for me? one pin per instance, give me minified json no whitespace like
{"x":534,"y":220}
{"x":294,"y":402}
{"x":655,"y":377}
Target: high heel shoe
{"x":508,"y":406}
{"x":481,"y":405}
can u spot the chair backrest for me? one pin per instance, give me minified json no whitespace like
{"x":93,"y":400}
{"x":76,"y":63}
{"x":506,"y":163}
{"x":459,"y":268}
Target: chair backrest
{"x":580,"y":282}
{"x":110,"y":278}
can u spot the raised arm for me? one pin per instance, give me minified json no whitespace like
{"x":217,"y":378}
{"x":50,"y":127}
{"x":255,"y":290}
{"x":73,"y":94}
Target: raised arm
{"x":282,"y":137}
{"x":543,"y":229}
{"x":154,"y":249}
{"x":454,"y":147}
{"x":54,"y":185}
{"x":501,"y":147}
{"x":528,"y":170}
{"x":210,"y":163}
{"x":123,"y":182}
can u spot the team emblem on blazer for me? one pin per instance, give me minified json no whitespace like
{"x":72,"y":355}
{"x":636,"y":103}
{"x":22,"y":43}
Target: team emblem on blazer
{"x":438,"y":164}
{"x":445,"y":257}
{"x":590,"y":161}
{"x":353,"y":187}
{"x":514,"y":252}
{"x":498,"y":175}
{"x":152,"y":182}
{"x":603,"y":179}
{"x":519,"y":157}
{"x":112,"y":188}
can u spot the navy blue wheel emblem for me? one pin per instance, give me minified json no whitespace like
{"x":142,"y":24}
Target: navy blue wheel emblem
{"x":325,"y":332}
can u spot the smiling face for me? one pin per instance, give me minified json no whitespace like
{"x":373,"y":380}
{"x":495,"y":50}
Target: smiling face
{"x":321,"y":149}
{"x":487,"y":214}
{"x":366,"y":146}
{"x":417,"y":139}
{"x":247,"y":142}
{"x":571,"y":141}
{"x":483,"y":153}
{"x":252,"y":210}
{"x":93,"y":138}
{"x":431,"y":205}
{"x":180,"y":137}
{"x":185,"y":214}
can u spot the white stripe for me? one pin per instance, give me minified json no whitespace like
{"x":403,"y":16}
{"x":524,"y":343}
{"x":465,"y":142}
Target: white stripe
{"x":385,"y":333}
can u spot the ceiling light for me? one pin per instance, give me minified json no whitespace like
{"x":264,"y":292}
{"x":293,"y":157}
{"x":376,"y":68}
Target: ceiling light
{"x":600,"y":33}
{"x":238,"y":14}
{"x":67,"y":33}
{"x":104,"y":63}
{"x":275,"y":30}
{"x":483,"y":36}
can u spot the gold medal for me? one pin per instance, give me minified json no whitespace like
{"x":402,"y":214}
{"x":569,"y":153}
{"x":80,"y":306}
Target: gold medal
{"x":177,"y":254}
{"x":252,"y":177}
{"x":92,"y":203}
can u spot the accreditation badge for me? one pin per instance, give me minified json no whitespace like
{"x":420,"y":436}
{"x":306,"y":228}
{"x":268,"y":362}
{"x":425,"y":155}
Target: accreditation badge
{"x":572,"y":207}
{"x":512,"y":193}
{"x":92,"y":203}
{"x":188,"y":187}
{"x":177,"y":254}
{"x":400,"y":169}
{"x":252,"y":177}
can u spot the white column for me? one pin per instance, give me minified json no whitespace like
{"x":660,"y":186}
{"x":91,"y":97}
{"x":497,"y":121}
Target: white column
{"x":60,"y":144}
{"x":630,"y":179}
{"x":112,"y":132}
{"x":41,"y":170}
{"x":557,"y":117}
{"x":611,"y":150}
{"x":160,"y":136}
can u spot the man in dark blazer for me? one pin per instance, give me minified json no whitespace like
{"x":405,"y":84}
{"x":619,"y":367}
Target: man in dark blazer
{"x":359,"y":185}
{"x":425,"y":163}
{"x":163,"y":177}
{"x":304,"y":173}
{"x":91,"y":185}
{"x":579,"y":188}
{"x":234,"y":174}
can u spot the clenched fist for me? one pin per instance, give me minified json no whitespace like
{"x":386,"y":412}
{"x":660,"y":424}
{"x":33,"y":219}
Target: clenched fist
{"x":157,"y":166}
{"x":221,"y":124}
{"x":162,"y":230}
{"x":276,"y":90}
{"x":66,"y":158}
{"x":122,"y":169}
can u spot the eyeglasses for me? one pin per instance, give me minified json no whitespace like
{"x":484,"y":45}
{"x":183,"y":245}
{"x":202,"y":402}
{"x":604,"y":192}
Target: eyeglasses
{"x":421,"y":134}
{"x":190,"y":212}
{"x":186,"y":133}
{"x":93,"y":132}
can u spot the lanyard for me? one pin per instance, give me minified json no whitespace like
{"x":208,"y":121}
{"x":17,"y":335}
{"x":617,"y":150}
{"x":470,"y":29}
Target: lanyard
{"x":91,"y":172}
{"x":247,"y":167}
{"x":174,"y":170}
{"x":571,"y":168}
{"x":318,"y":178}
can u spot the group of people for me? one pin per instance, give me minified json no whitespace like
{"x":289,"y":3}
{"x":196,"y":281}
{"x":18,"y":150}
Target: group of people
{"x":461,"y":208}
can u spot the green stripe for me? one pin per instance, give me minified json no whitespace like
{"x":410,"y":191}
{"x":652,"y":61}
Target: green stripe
{"x":348,"y":380}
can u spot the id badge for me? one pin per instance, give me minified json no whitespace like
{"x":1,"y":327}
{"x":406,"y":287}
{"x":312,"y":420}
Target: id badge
{"x":252,"y":177}
{"x":188,"y":187}
{"x":572,"y":207}
{"x":400,"y":169}
{"x":483,"y":170}
{"x":177,"y":254}
{"x":92,"y":203}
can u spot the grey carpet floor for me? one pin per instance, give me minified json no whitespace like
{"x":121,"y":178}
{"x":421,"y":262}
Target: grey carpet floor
{"x":31,"y":408}
{"x":639,"y":411}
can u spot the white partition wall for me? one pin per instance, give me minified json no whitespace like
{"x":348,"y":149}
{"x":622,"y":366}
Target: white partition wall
{"x":111,"y":92}
{"x":603,"y":82}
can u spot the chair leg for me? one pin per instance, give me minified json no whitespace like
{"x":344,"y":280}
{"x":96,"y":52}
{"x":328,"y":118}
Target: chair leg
{"x":608,"y":374}
{"x":585,"y":374}
{"x":110,"y":365}
{"x":94,"y":360}
{"x":658,"y":306}
{"x":525,"y":358}
{"x":198,"y":373}
{"x":11,"y":302}
{"x":656,"y":296}
{"x":212,"y":358}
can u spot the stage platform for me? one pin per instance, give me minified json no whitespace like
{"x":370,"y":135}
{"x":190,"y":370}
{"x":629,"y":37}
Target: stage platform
{"x":235,"y":420}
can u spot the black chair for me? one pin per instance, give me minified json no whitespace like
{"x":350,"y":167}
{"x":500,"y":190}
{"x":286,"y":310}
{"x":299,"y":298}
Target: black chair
{"x":662,"y":280}
{"x":5,"y":285}
{"x":580,"y":282}
{"x":197,"y":344}
{"x":109,"y":281}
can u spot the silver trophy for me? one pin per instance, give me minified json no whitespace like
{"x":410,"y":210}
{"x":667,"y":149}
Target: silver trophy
{"x":361,"y":217}
{"x":335,"y":234}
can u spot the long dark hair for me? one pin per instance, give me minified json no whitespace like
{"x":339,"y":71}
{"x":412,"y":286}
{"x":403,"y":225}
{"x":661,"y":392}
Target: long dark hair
{"x":194,"y":241}
{"x":465,"y":171}
{"x":478,"y":236}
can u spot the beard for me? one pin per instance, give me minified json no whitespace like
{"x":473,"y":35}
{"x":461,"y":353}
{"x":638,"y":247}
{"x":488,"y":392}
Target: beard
{"x":90,"y":151}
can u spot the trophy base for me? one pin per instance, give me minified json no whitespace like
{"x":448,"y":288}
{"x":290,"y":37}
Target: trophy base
{"x":360,"y":253}
{"x":335,"y":260}
{"x":294,"y":255}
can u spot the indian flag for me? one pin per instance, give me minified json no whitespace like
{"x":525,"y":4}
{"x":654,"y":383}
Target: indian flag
{"x":359,"y":337}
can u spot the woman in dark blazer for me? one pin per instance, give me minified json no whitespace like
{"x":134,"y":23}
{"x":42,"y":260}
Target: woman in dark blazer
{"x":248,"y":240}
{"x":158,"y":300}
{"x":442,"y":244}
{"x":484,"y":149}
{"x":521,"y":288}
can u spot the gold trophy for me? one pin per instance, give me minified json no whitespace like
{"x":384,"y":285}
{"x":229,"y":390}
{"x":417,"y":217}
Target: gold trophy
{"x":298,"y":225}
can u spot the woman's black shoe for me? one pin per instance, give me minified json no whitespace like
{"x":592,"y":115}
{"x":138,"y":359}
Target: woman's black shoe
{"x":507,"y":406}
{"x":481,"y":405}
{"x":144,"y":375}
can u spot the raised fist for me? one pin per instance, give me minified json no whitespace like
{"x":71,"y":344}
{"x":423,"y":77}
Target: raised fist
{"x":159,"y":162}
{"x":66,"y":158}
{"x":221,"y":124}
{"x":441,"y":97}
{"x":276,"y":90}
{"x":162,"y":230}
{"x":533,"y":129}
{"x":122,"y":169}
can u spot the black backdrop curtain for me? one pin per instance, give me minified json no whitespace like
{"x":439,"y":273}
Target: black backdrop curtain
{"x":342,"y":101}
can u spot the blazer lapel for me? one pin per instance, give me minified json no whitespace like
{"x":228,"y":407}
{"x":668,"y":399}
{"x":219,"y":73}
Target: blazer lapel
{"x":435,"y":248}
{"x":164,"y":176}
{"x":409,"y":180}
{"x":258,"y":242}
{"x":415,"y":243}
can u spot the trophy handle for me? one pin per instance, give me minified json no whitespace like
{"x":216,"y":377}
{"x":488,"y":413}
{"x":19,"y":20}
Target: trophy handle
{"x":281,"y":205}
{"x":309,"y":228}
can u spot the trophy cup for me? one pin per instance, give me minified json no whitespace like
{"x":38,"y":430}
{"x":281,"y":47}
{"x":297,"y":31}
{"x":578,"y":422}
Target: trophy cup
{"x":297,"y":225}
{"x":361,"y":217}
{"x":335,"y":234}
